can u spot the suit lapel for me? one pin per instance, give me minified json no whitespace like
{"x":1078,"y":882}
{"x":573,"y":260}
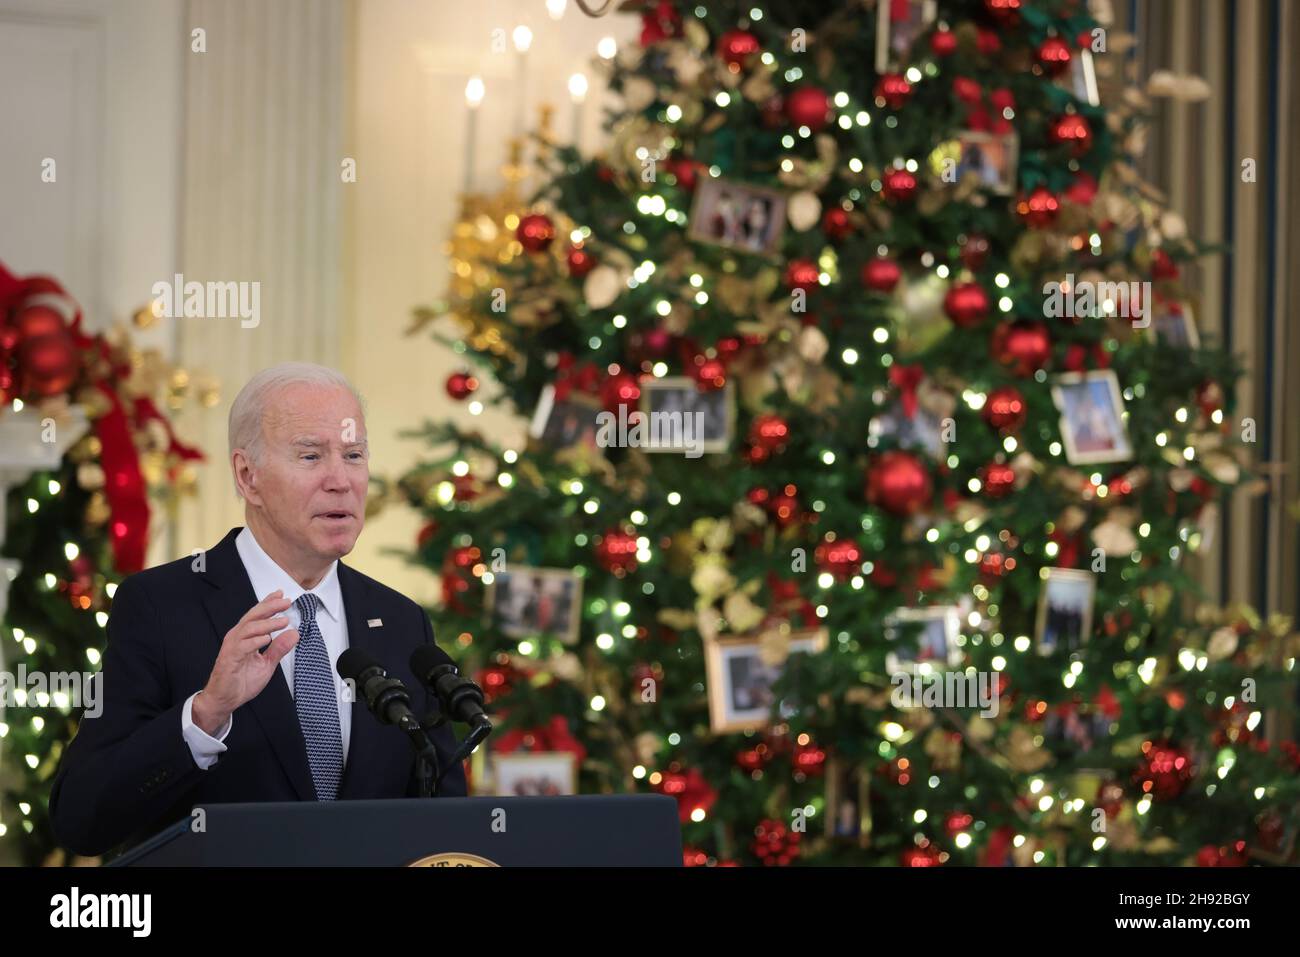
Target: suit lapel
{"x":273,"y":707}
{"x":367,"y":732}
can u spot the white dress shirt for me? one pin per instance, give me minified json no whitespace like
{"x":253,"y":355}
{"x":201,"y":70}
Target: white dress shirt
{"x":266,"y":577}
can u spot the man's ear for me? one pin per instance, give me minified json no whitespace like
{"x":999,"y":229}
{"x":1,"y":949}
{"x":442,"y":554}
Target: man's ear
{"x":245,"y":476}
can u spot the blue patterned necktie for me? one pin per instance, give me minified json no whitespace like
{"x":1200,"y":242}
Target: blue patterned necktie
{"x":317,"y":702}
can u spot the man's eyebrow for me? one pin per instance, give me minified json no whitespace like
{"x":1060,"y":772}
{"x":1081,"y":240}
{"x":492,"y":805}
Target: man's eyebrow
{"x":319,"y":443}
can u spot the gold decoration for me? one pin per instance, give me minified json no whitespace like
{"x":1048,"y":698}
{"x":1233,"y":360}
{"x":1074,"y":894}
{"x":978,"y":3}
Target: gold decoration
{"x":944,"y":749}
{"x":774,"y":645}
{"x":1022,"y":753}
{"x":97,"y":510}
{"x":90,"y":476}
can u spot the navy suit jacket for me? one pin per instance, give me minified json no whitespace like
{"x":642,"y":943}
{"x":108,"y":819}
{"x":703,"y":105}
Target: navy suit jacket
{"x":129,"y":773}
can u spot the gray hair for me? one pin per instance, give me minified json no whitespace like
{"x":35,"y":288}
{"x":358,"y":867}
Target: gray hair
{"x":244,"y":426}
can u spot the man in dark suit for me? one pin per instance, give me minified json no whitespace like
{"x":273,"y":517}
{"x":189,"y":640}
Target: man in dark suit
{"x":219,"y":680}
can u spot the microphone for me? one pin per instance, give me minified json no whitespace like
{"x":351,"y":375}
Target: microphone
{"x":387,"y":698}
{"x":390,"y":701}
{"x":460,"y":698}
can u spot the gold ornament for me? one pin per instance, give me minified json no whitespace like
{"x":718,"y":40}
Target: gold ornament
{"x":804,"y":210}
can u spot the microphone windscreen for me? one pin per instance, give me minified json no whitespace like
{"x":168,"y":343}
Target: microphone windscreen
{"x":427,"y":657}
{"x":353,"y":662}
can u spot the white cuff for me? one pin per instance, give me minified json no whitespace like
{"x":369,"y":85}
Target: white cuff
{"x":203,"y":746}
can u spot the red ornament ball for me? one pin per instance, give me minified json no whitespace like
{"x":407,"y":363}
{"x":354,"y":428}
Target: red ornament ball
{"x":836,"y":223}
{"x":580,"y":262}
{"x":881,"y":274}
{"x":685,"y":171}
{"x":809,"y":758}
{"x":616,"y":551}
{"x":898,"y":185}
{"x":943,"y":42}
{"x":754,"y":759}
{"x":1005,"y":409}
{"x":460,"y":385}
{"x":893,"y":90}
{"x":769,"y":432}
{"x":841,"y":558}
{"x":1004,"y":11}
{"x":48,"y":364}
{"x":1040,"y":208}
{"x":926,"y":856}
{"x":694,"y":857}
{"x":998,"y":478}
{"x":1054,"y":56}
{"x":535,"y":232}
{"x":498,"y":681}
{"x":808,"y":106}
{"x":1230,"y":855}
{"x":785,"y":507}
{"x":802,"y":274}
{"x":1071,"y":130}
{"x":1082,"y":189}
{"x":37,"y":320}
{"x":620,"y":388}
{"x":709,"y":374}
{"x":464,"y":556}
{"x":1024,"y":346}
{"x":974,"y":251}
{"x":957,"y":821}
{"x":656,"y":342}
{"x":899,"y":483}
{"x":986,"y":41}
{"x":689,"y":788}
{"x":1164,"y":770}
{"x":967,"y":304}
{"x":734,"y":45}
{"x":994,"y":565}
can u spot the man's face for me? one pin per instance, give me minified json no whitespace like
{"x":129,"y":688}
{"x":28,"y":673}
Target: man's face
{"x":310,"y":485}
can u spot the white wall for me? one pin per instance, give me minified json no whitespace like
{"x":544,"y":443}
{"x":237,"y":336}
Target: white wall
{"x":94,"y":85}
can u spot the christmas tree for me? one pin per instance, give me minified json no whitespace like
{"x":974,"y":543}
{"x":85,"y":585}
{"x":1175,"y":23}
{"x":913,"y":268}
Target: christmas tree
{"x":871,"y":432}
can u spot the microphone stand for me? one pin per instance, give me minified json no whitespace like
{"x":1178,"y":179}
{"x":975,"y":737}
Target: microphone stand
{"x":427,"y":765}
{"x":426,"y":756}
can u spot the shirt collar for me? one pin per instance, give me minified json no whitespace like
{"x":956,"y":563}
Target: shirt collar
{"x":267,"y":576}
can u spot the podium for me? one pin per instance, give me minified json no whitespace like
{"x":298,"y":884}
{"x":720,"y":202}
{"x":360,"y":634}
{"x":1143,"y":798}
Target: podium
{"x":583,"y":830}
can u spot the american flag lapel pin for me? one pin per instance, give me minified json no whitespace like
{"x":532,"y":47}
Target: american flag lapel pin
{"x":375,"y":622}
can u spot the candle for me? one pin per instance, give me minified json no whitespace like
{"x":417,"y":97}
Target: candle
{"x":523,"y":39}
{"x":473,"y":97}
{"x":578,"y":92}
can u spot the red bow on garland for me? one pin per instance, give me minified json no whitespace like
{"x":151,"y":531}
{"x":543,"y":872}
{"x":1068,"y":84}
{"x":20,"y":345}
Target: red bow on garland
{"x":906,"y":379}
{"x":125,"y":487}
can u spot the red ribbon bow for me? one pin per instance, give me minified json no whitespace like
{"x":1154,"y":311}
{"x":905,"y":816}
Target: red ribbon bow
{"x":906,"y":379}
